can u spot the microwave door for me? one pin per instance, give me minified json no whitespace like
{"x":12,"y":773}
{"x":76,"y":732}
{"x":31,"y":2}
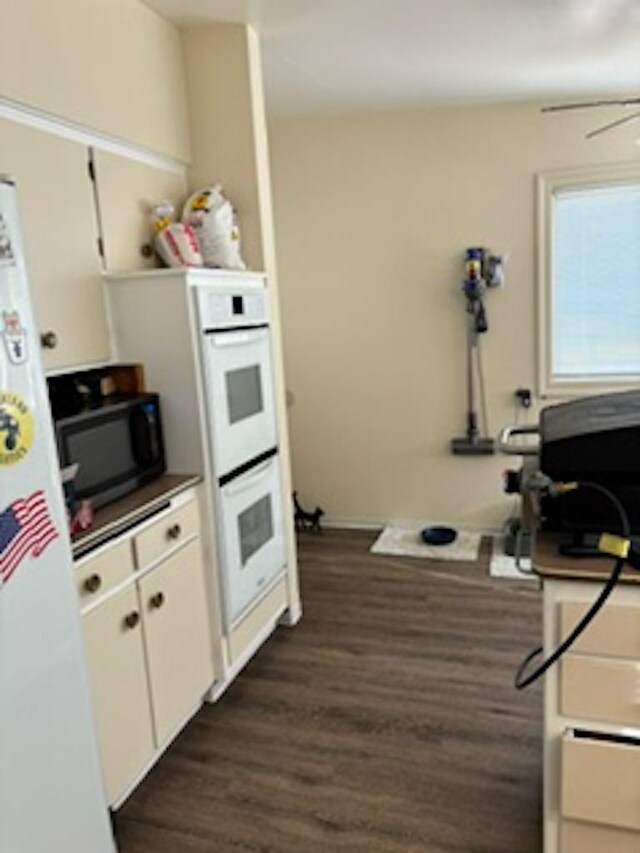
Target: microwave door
{"x":145,"y":436}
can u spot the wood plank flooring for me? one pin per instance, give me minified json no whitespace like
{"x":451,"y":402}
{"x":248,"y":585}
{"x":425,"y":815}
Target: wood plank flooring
{"x":385,"y":721}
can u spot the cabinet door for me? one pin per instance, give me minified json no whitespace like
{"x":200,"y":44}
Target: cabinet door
{"x":128,"y":190}
{"x":177,"y":637}
{"x":60,"y":234}
{"x":118,"y":679}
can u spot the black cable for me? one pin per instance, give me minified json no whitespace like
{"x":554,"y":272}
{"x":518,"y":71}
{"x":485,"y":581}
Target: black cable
{"x":520,"y":680}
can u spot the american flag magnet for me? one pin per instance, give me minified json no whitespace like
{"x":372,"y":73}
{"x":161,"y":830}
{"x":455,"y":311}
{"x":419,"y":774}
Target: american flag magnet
{"x":26,"y":530}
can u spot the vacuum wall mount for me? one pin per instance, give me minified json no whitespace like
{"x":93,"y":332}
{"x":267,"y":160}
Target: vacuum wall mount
{"x":482,"y":270}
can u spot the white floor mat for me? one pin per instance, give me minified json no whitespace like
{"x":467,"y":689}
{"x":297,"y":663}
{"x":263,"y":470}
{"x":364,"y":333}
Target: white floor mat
{"x":405,"y":541}
{"x":503,"y":566}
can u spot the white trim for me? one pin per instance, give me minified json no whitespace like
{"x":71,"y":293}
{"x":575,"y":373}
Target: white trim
{"x":373,"y":526}
{"x":219,"y":687}
{"x":78,"y":368}
{"x":191,"y":276}
{"x":547,"y":183}
{"x":50,"y":123}
{"x":157,"y":754}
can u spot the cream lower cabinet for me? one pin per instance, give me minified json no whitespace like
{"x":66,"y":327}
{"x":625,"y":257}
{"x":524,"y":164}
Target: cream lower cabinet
{"x":147,"y":641}
{"x":592,"y":722}
{"x":121,"y":703}
{"x":176,"y":637}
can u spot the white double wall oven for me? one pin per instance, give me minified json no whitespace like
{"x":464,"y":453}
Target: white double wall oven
{"x":235,"y":345}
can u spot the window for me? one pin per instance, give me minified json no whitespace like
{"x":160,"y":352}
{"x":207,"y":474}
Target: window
{"x":589,"y":280}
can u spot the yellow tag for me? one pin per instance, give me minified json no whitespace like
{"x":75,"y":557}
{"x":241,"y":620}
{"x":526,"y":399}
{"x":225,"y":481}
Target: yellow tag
{"x":614,"y":545}
{"x":16,"y":428}
{"x":566,"y":487}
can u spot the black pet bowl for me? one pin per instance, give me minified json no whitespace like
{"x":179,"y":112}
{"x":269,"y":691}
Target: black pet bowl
{"x":438,"y":535}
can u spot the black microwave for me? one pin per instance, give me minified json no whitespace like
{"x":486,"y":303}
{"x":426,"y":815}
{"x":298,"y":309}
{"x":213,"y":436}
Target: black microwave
{"x":117,"y":445}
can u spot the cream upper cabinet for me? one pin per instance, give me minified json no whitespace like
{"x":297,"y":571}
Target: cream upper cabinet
{"x":127,"y":191}
{"x":59,"y":230}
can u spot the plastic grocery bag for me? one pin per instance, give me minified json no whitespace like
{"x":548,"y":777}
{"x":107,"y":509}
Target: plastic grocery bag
{"x":175,"y":243}
{"x":213,"y":219}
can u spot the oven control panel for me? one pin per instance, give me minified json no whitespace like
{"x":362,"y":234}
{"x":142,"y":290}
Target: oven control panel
{"x":221,"y":307}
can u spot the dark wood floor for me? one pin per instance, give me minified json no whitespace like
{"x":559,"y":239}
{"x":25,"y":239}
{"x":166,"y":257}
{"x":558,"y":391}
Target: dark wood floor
{"x":385,"y":721}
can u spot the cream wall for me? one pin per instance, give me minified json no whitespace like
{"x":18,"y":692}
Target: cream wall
{"x":112,"y":65}
{"x":219,"y":69}
{"x":372,"y":216}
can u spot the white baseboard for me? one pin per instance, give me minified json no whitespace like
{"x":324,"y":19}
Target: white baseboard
{"x":359,"y":524}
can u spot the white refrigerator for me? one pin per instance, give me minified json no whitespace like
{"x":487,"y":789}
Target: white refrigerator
{"x":51,"y":795}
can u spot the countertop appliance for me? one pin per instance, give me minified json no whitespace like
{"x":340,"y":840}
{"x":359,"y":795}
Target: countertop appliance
{"x":51,"y":794}
{"x":118,"y":446}
{"x":598,"y":439}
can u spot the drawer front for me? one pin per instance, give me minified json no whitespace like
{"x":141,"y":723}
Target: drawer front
{"x":601,"y":782}
{"x":170,"y":530}
{"x":615,"y":631}
{"x":269,"y":608}
{"x":99,"y":574}
{"x":603,"y":689}
{"x":589,"y":838}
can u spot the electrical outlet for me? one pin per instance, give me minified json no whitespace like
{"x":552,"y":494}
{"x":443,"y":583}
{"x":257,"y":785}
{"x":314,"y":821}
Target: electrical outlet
{"x":524,"y":396}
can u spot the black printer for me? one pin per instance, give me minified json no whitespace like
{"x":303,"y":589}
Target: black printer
{"x":592,"y":439}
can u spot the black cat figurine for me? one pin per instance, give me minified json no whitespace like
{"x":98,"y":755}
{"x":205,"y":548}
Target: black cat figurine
{"x":307,"y":520}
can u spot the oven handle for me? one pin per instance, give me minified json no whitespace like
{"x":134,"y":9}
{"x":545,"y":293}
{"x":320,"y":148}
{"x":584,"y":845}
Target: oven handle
{"x":232,"y":339}
{"x":251,"y":478}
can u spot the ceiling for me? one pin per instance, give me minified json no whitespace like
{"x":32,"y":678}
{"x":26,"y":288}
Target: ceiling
{"x":323,"y":56}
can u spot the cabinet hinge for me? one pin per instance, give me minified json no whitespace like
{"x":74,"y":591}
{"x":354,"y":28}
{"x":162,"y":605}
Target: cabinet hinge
{"x":92,"y":171}
{"x":100,"y":242}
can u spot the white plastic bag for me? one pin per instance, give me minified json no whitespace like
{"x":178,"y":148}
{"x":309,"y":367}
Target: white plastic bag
{"x":213,"y":219}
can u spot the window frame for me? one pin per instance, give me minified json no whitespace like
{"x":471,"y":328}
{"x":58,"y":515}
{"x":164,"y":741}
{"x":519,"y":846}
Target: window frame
{"x":547,"y":185}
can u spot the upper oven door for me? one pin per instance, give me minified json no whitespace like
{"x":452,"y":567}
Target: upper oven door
{"x":240,"y":396}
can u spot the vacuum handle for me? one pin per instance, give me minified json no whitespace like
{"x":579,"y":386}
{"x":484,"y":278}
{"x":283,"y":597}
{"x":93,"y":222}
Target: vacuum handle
{"x":514,"y":449}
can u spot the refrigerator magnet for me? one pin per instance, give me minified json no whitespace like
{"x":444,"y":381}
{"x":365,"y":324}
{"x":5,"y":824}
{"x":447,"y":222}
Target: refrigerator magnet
{"x":15,"y":337}
{"x":16,"y":428}
{"x":26,"y":530}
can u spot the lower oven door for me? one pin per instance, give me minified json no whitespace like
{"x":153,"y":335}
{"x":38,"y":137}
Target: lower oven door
{"x":251,"y":531}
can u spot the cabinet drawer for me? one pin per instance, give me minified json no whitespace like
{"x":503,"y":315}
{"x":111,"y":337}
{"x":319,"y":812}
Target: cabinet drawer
{"x":99,"y":574}
{"x":271,"y":606}
{"x":173,"y":528}
{"x":601,"y":782}
{"x":590,"y":838}
{"x":615,"y":631}
{"x":604,"y":689}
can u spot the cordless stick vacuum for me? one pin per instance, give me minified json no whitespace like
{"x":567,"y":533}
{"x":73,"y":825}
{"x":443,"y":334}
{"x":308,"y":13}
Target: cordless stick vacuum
{"x":482,"y":270}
